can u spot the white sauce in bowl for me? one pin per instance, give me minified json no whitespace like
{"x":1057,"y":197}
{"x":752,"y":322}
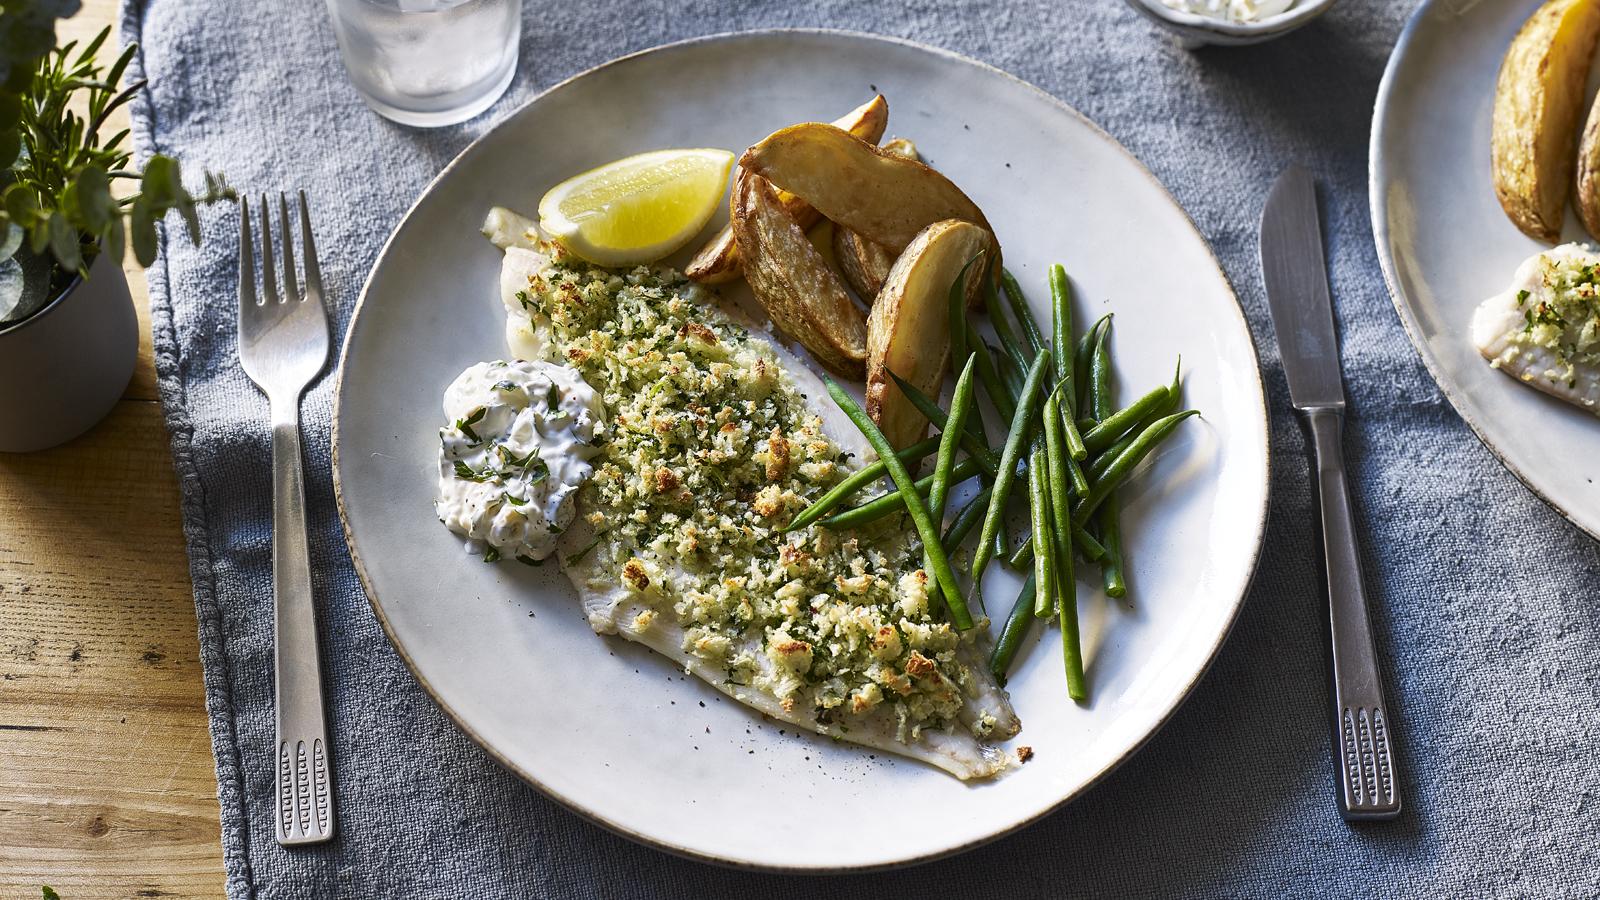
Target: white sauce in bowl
{"x":1231,"y":10}
{"x":517,"y":449}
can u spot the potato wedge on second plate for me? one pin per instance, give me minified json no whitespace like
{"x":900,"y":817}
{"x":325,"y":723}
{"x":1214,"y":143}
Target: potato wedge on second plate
{"x":793,"y":282}
{"x":1537,"y":101}
{"x":1588,"y":188}
{"x":865,"y":264}
{"x":908,"y":332}
{"x":718,"y":260}
{"x":885,"y":198}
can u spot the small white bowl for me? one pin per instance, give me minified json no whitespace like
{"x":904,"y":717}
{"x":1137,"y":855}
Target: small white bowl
{"x":1196,"y":29}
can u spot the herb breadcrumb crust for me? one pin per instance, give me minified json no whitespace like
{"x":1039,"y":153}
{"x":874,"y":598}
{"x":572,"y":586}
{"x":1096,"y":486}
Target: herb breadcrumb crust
{"x":711,"y":446}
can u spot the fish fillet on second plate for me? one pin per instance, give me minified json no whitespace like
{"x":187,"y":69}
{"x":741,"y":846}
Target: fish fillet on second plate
{"x":1544,"y":329}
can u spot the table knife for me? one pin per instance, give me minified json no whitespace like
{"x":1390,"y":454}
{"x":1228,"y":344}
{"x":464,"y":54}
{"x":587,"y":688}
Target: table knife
{"x":1293,"y":269}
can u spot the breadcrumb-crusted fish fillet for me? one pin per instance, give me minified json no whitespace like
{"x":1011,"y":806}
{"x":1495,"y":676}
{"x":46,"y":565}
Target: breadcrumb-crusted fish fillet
{"x":822,"y":660}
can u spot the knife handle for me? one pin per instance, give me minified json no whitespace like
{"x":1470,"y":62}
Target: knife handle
{"x":1368,"y":785}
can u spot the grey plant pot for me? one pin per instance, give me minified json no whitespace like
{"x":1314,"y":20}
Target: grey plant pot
{"x":63,"y":368}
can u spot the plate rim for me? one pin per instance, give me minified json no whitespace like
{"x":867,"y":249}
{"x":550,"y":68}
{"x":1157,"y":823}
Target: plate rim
{"x":1257,"y":543}
{"x":1378,"y":175}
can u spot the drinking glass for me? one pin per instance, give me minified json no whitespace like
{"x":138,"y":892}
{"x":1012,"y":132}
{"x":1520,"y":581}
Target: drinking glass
{"x":428,"y":62}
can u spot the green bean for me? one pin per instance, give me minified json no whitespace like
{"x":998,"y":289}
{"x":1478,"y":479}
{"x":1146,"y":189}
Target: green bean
{"x":1019,"y":307}
{"x":1110,"y":528}
{"x":960,"y":403}
{"x":957,"y":312}
{"x":1018,"y":366}
{"x":973,"y":441}
{"x":1123,"y":465}
{"x":1012,"y":633}
{"x":966,"y":520}
{"x":1057,"y":458}
{"x":1044,"y":546}
{"x":926,"y":527}
{"x":1100,"y":377}
{"x":884,"y":504}
{"x":1086,"y":423}
{"x":856,"y":481}
{"x":1115,"y":425}
{"x":1080,"y":482}
{"x":1084,"y":545}
{"x":999,"y":394}
{"x":1111,"y":574}
{"x":1074,"y":472}
{"x":1061,"y":322}
{"x":1072,"y":653}
{"x":1080,"y":360}
{"x":1098,"y":468}
{"x":1076,"y":451}
{"x":1008,"y":343}
{"x":1005,"y":475}
{"x":1066,"y":370}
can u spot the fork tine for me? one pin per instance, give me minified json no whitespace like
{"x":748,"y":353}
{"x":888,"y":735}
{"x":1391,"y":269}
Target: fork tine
{"x":312,"y":267}
{"x":247,"y":259}
{"x":269,"y":280}
{"x":291,"y":287}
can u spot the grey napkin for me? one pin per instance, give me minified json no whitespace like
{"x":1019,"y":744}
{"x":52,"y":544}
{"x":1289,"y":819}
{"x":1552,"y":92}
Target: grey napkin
{"x":1484,"y":599}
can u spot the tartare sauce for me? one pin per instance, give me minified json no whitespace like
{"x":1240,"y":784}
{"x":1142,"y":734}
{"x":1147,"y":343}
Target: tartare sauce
{"x":1231,"y":10}
{"x":515,"y":452}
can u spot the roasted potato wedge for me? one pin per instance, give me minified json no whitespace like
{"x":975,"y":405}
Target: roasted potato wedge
{"x":866,"y":265}
{"x":718,"y":260}
{"x":792,"y":281}
{"x":885,"y":198}
{"x":1537,"y":101}
{"x":1588,"y":187}
{"x":908,"y":332}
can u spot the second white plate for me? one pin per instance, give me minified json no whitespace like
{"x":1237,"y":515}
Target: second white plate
{"x":1445,"y":244}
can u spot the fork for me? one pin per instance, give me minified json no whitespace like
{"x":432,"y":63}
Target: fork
{"x":283,"y":345}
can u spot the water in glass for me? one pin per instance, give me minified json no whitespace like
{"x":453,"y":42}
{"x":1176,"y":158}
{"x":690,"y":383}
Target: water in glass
{"x":428,"y":62}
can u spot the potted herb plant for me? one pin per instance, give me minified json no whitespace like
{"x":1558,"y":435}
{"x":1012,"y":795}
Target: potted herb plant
{"x":68,"y":334}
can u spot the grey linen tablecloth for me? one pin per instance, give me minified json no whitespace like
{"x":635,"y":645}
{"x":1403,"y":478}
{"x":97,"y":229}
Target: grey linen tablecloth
{"x":1484,"y":599}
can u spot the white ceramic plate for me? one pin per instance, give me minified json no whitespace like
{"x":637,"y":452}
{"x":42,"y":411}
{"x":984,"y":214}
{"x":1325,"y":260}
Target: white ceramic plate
{"x":621,"y":735}
{"x":1445,"y":244}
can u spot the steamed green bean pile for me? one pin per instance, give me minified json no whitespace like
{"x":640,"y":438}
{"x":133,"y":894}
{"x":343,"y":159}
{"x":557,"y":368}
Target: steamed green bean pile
{"x":1067,"y":451}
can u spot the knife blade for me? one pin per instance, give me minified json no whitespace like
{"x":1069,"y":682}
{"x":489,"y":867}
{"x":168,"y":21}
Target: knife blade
{"x":1293,"y":267}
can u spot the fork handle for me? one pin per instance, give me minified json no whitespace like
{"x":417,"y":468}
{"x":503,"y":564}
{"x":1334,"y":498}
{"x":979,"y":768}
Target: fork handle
{"x":304,"y":761}
{"x":1368,"y":785}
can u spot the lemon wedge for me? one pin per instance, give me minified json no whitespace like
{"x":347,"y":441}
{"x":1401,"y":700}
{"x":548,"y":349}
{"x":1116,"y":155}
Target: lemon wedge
{"x":639,"y":209}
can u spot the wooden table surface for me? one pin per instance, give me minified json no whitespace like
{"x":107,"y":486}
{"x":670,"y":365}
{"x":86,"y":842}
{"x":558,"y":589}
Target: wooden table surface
{"x":107,"y":786}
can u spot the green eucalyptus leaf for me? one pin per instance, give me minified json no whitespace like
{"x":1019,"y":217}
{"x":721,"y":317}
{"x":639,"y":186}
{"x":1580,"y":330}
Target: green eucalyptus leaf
{"x":39,"y":237}
{"x":25,"y":286}
{"x":92,"y":191}
{"x":113,"y":238}
{"x":10,"y":240}
{"x":161,"y":185}
{"x":21,"y":205}
{"x":11,"y":283}
{"x":143,"y":225}
{"x":64,"y":243}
